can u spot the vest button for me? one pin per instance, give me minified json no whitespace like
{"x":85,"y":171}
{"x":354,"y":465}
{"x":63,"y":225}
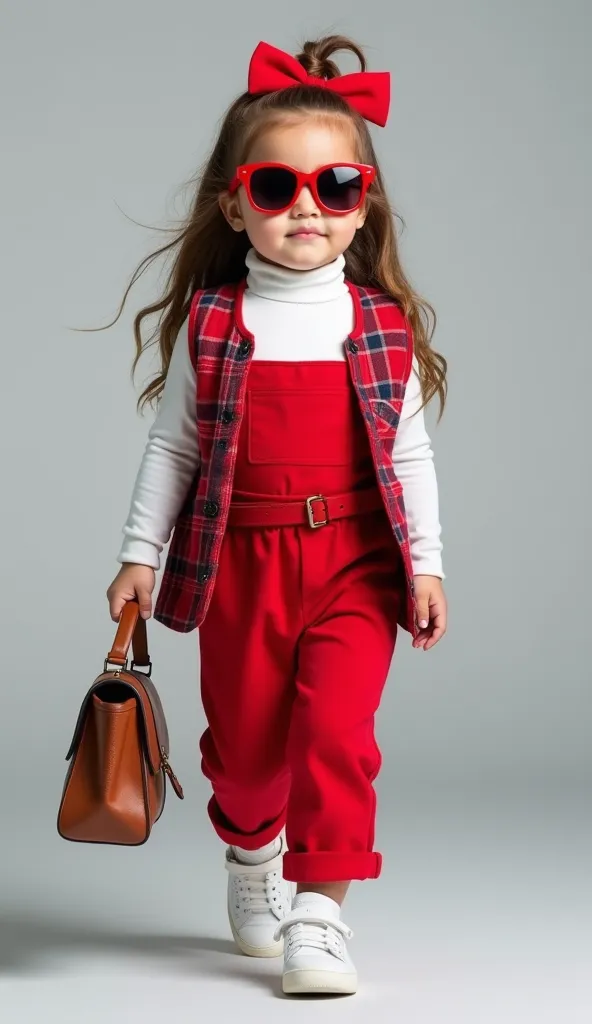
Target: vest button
{"x":203,"y":575}
{"x":222,"y":444}
{"x":227,"y":416}
{"x":211,"y":509}
{"x":244,"y":348}
{"x":353,"y":347}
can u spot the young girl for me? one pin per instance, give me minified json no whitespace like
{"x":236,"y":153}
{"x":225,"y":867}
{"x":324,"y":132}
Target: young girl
{"x":290,"y":455}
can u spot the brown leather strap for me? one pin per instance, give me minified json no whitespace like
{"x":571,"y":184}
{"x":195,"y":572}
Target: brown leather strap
{"x":315,"y":512}
{"x":131,"y":630}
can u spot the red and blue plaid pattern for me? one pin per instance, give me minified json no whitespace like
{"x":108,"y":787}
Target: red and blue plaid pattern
{"x":379,"y":352}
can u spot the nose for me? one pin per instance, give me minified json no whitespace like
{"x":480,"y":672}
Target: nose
{"x":305,"y":205}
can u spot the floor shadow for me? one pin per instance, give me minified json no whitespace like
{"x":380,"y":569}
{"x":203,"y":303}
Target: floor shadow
{"x":30,"y":944}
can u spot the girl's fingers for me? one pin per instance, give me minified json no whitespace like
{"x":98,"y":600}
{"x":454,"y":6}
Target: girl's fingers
{"x":422,"y":612}
{"x":144,"y":602}
{"x":437,"y":633}
{"x":116,"y":607}
{"x":427,"y":638}
{"x":119,"y":599}
{"x":438,"y":617}
{"x":437,"y":611}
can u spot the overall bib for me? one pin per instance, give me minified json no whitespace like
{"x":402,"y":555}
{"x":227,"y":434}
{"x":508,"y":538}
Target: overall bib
{"x":300,"y":633}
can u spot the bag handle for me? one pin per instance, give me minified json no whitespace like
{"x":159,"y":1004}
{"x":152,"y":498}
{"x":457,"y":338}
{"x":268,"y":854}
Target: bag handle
{"x":130,"y":631}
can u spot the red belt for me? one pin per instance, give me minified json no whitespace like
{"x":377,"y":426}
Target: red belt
{"x":315,"y":511}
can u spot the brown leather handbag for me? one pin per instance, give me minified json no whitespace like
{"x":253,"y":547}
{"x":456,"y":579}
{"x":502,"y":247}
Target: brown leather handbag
{"x":119,"y":757}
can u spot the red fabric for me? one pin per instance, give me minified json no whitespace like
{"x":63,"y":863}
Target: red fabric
{"x":379,"y":352}
{"x":328,"y":446}
{"x":298,"y":640}
{"x":368,"y":92}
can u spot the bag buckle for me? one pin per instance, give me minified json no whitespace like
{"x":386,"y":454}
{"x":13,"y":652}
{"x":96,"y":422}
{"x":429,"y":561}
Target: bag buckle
{"x":310,"y":511}
{"x":119,"y":667}
{"x":145,"y":670}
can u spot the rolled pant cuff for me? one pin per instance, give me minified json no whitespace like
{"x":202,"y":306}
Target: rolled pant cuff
{"x":331,"y":867}
{"x":246,"y":840}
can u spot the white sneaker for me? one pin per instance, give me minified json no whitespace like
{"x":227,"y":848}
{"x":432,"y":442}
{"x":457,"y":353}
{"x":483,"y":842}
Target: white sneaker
{"x":258,"y":898}
{"x":315,"y":956}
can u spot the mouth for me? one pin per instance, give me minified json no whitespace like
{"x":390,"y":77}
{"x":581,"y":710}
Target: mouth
{"x":306,"y":233}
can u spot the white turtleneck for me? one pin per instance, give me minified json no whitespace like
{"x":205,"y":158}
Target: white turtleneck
{"x":293,"y":315}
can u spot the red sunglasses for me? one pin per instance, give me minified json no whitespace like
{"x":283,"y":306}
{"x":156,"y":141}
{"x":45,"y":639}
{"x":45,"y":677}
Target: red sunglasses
{"x":274,"y":188}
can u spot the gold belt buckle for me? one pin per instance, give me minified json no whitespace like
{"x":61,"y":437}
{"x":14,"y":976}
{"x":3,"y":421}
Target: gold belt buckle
{"x":310,"y":512}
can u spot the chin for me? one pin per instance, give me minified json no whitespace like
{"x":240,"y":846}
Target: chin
{"x":309,"y":263}
{"x":308,"y":255}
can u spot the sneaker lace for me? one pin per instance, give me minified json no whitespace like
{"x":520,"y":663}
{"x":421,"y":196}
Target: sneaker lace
{"x":314,"y":932}
{"x":258,"y":893}
{"x":256,"y":890}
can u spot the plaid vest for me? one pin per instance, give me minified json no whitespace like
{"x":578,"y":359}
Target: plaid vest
{"x":379,"y":351}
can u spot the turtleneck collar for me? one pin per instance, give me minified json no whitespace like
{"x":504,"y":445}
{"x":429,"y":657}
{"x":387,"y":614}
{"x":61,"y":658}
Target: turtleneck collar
{"x":322,"y":284}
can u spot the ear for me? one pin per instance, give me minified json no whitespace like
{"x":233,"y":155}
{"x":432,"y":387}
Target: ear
{"x":230,"y":207}
{"x":361,"y":218}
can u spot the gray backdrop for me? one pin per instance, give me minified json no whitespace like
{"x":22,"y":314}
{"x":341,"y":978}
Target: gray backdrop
{"x":483,"y":909}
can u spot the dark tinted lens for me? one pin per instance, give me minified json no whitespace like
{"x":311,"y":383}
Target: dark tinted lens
{"x":340,"y":188}
{"x":272,"y":188}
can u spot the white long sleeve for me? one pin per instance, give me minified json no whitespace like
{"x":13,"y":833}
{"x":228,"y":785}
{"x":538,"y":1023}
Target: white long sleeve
{"x":413,"y":460}
{"x":314,"y":327}
{"x":169,"y":463}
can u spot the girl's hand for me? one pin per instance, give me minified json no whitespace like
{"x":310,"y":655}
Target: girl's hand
{"x":132,"y":581}
{"x":431,"y":610}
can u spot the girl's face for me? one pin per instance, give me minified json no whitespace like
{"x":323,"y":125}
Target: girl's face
{"x":276,"y":237}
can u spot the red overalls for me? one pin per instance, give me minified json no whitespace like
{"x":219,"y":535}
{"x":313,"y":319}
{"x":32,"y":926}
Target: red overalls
{"x":300,"y":633}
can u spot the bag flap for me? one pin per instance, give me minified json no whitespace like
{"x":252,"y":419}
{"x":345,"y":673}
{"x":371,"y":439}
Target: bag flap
{"x":154,"y":731}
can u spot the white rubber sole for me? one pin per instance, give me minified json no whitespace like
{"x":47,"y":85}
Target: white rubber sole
{"x":274,"y":949}
{"x":322,"y":982}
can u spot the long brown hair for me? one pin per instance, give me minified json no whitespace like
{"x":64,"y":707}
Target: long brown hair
{"x":205,"y":252}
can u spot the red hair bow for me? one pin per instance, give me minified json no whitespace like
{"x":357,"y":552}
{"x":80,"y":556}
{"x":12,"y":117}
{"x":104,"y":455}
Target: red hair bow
{"x":368,"y":92}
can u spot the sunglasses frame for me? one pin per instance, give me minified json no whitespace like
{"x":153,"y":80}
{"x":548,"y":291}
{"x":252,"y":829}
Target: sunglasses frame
{"x":245,"y":171}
